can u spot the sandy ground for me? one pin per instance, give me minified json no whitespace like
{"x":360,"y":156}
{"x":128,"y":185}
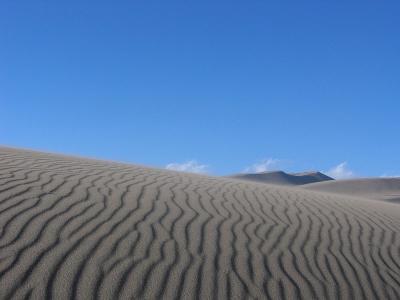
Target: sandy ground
{"x":386,"y":189}
{"x":74,"y":228}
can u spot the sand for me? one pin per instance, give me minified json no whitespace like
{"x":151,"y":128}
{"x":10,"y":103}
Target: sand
{"x":75,"y":228}
{"x":386,"y":189}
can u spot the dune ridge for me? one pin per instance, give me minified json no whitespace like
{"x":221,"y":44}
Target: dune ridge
{"x":75,"y":228}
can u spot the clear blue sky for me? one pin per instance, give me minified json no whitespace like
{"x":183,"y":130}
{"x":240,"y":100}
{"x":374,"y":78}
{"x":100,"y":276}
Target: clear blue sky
{"x":227,"y":83}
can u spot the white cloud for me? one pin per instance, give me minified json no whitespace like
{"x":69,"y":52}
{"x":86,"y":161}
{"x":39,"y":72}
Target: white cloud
{"x":190,"y":166}
{"x":262,"y":166}
{"x":389,"y":176}
{"x":341,"y":171}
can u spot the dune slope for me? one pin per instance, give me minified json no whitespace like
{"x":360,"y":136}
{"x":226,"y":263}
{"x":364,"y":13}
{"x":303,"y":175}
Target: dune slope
{"x":387,"y":189}
{"x":74,"y":228}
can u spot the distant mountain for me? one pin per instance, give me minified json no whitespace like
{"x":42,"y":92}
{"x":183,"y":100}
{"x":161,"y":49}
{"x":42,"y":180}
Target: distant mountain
{"x":283,"y":178}
{"x":387,"y":189}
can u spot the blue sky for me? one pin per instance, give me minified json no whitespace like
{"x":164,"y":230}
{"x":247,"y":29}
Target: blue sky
{"x":297,"y":85}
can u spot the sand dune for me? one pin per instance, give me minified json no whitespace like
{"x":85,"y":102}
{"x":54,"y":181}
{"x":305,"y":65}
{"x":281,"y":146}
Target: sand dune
{"x":282,"y":178}
{"x":74,"y":228}
{"x":387,"y":189}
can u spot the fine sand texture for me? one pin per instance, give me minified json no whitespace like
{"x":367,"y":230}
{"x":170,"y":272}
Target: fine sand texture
{"x":283,"y":178}
{"x":386,"y":189}
{"x":75,"y":228}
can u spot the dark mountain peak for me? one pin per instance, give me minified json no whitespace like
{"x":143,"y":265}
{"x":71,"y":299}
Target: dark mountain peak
{"x":283,"y":178}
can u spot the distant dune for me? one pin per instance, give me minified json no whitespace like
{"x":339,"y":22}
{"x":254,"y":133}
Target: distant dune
{"x":75,"y":228}
{"x":282,"y":178}
{"x":387,"y":189}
